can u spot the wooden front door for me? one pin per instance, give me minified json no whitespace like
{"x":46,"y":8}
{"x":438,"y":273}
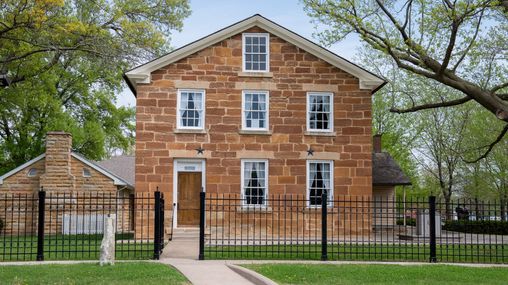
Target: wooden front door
{"x":189,"y":186}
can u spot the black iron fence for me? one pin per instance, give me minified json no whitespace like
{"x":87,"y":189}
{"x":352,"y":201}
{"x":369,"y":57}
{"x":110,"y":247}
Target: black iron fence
{"x":352,"y":228}
{"x":69,"y":225}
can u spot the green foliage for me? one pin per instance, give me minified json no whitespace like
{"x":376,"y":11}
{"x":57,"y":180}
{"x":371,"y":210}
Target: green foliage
{"x":477,"y":227}
{"x":66,"y":59}
{"x":409,"y":222}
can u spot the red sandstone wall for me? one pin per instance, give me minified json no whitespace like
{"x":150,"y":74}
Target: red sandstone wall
{"x":217,"y":69}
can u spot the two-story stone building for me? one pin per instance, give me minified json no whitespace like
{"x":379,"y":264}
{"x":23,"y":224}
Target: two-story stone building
{"x":254,"y":109}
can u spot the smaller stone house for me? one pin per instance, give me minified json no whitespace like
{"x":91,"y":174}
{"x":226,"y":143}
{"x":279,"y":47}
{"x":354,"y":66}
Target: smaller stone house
{"x":61,"y":171}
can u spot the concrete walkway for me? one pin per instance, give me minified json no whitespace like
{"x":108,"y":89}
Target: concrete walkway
{"x":216,"y":272}
{"x":182,"y":253}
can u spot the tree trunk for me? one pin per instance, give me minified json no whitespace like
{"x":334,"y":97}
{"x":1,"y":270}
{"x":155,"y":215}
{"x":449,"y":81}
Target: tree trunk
{"x":477,"y":213}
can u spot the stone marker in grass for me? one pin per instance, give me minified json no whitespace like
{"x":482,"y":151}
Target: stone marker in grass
{"x":108,"y":241}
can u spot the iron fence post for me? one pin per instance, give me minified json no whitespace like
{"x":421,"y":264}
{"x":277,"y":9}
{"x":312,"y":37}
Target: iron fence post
{"x":202,"y":196}
{"x":157,"y":225}
{"x":432,"y":228}
{"x":324,"y":226}
{"x":40,"y":225}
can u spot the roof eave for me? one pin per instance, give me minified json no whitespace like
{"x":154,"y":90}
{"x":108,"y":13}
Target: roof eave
{"x":117,"y":181}
{"x":21,"y":167}
{"x":141,"y":74}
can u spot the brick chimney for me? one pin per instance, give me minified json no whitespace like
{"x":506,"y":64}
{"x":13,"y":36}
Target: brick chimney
{"x":376,"y":144}
{"x":57,"y":174}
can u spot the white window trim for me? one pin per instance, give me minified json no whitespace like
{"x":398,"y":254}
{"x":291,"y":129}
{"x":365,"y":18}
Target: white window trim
{"x":330,"y":124}
{"x":242,"y":195}
{"x":307,"y":175}
{"x":178,"y":102}
{"x":265,"y":35}
{"x":267,"y":120}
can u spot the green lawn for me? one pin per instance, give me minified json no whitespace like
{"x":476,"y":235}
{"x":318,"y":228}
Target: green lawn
{"x":316,"y":274}
{"x":71,"y":247}
{"x":378,"y":252}
{"x":121,"y":273}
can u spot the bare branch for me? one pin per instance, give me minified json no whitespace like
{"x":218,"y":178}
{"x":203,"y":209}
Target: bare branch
{"x":490,"y":146}
{"x":431,"y":105}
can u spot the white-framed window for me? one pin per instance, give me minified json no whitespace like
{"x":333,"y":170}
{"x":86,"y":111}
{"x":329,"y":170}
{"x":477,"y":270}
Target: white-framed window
{"x":86,"y":172}
{"x":190,"y":109}
{"x":319,"y":179}
{"x":256,"y":52}
{"x":254,"y":182}
{"x":32,"y":172}
{"x":319,"y":112}
{"x":255,"y":109}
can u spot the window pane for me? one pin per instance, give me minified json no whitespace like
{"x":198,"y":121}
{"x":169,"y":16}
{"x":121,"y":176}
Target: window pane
{"x":254,"y":184}
{"x":256,"y":51}
{"x":191,"y":109}
{"x":255,"y":110}
{"x":319,"y":180}
{"x":319,"y":112}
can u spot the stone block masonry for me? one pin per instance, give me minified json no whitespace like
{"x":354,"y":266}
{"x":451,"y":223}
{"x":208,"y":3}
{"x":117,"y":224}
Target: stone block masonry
{"x":218,"y":70}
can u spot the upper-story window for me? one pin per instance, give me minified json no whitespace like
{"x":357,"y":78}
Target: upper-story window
{"x":319,"y":112}
{"x":256,"y":52}
{"x":86,"y":172}
{"x":191,"y":109}
{"x":255,"y":110}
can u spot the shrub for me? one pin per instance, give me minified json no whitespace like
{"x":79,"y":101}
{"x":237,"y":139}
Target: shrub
{"x":477,"y":227}
{"x":409,"y":222}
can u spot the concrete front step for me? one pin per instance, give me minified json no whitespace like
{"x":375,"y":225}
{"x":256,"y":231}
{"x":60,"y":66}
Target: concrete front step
{"x":186,"y":234}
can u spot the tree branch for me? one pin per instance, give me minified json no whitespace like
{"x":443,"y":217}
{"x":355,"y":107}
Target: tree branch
{"x":499,"y":87}
{"x":431,"y":106}
{"x":490,"y":146}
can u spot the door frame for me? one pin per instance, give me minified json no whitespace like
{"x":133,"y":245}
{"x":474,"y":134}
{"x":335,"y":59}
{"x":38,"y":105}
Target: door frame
{"x":179,"y":165}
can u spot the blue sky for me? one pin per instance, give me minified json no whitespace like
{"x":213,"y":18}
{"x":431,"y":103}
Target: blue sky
{"x":209,"y":16}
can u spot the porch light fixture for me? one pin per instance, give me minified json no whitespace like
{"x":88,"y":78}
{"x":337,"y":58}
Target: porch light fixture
{"x":200,"y":150}
{"x":310,"y":152}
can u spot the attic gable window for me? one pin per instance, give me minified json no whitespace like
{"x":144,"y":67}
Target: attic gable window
{"x":319,"y":112}
{"x":32,"y":172}
{"x":86,"y":172}
{"x":256,"y":52}
{"x":191,"y":109}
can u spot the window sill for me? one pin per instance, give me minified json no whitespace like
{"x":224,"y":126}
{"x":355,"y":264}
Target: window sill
{"x":253,"y":132}
{"x":254,"y":209}
{"x":264,"y":74}
{"x":323,"y":134}
{"x":188,"y":131}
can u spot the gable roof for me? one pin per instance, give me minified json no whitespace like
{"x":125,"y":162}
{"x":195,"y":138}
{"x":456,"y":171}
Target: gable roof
{"x":141,"y":74}
{"x":118,"y":181}
{"x":21,"y":167}
{"x":386,"y":171}
{"x":122,"y":166}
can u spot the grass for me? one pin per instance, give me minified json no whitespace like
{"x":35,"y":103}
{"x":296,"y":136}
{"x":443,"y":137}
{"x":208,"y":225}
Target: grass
{"x":121,"y":273}
{"x":378,"y":252}
{"x":71,"y":247}
{"x":316,"y":274}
